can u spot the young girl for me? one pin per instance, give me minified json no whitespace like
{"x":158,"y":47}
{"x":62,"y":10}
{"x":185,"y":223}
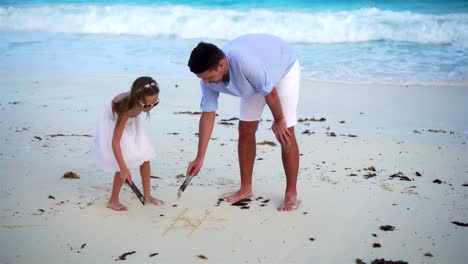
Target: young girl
{"x":120,"y":143}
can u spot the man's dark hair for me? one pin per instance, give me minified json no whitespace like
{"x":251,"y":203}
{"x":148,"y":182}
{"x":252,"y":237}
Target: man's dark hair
{"x":204,"y":56}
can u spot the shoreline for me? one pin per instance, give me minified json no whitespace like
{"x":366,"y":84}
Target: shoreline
{"x":9,"y":74}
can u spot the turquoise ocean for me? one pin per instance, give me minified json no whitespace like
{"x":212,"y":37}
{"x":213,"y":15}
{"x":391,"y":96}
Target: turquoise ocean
{"x":375,"y":42}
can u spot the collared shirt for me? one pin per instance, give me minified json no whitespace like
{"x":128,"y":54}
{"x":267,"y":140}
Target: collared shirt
{"x":257,"y":62}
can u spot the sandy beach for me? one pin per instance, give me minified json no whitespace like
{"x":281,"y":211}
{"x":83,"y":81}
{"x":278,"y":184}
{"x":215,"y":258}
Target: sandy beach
{"x":383,"y":175}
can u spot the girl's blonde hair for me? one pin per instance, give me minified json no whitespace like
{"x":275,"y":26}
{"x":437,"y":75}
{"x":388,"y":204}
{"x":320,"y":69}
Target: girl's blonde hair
{"x":141,"y":87}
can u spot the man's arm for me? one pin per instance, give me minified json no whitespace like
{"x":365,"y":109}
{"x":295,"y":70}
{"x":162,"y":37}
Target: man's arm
{"x":205,"y":129}
{"x":279,"y":127}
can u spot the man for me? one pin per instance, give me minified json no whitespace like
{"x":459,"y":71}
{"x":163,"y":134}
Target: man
{"x":263,"y":70}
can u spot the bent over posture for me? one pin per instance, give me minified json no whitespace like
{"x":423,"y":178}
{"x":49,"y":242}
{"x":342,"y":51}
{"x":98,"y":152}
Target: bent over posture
{"x":262,"y":70}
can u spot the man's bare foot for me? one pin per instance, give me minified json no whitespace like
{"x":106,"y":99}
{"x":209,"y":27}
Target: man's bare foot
{"x":237,"y":196}
{"x":150,"y":199}
{"x":290,"y":203}
{"x":116,"y":206}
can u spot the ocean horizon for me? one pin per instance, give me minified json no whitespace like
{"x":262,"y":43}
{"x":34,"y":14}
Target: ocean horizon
{"x":375,"y":42}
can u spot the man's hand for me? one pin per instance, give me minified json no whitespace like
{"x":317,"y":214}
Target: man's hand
{"x":194,"y":168}
{"x":280,"y":128}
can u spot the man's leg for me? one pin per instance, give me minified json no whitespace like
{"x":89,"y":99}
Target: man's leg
{"x":290,"y":156}
{"x":288,"y":91}
{"x":246,"y":150}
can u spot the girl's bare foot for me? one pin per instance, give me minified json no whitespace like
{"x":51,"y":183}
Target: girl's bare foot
{"x":237,"y":196}
{"x":150,"y":199}
{"x":116,"y":206}
{"x":290,"y":203}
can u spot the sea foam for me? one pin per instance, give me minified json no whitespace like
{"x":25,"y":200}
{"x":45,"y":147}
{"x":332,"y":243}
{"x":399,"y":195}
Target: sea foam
{"x":370,"y":24}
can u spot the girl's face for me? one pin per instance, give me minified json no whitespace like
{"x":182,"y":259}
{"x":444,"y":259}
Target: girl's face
{"x":149,"y":102}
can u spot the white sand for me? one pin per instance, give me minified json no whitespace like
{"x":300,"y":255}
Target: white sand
{"x":340,"y":212}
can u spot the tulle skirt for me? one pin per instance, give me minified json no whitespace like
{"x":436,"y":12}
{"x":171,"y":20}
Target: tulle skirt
{"x":134,"y":144}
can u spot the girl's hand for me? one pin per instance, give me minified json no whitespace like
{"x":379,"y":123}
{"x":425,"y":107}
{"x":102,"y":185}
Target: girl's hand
{"x":125,"y":175}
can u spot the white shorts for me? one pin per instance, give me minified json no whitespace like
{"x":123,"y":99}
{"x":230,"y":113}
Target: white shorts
{"x":251,"y":108}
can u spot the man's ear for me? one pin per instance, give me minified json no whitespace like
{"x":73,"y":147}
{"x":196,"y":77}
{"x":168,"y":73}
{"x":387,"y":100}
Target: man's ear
{"x":222,"y":64}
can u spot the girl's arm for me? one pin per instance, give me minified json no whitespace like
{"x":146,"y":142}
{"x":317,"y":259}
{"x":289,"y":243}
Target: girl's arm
{"x":118,"y":131}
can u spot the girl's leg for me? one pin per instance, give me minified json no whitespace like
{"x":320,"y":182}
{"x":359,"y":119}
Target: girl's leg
{"x":114,"y":198}
{"x":145,"y":171}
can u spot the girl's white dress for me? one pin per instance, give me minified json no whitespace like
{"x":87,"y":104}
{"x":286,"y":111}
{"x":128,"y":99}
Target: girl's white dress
{"x":135,"y":146}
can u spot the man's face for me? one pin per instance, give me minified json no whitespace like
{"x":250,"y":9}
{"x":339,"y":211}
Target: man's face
{"x":211,"y":76}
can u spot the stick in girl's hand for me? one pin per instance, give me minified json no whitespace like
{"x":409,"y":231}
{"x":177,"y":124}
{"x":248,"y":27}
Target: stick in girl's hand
{"x":137,"y":192}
